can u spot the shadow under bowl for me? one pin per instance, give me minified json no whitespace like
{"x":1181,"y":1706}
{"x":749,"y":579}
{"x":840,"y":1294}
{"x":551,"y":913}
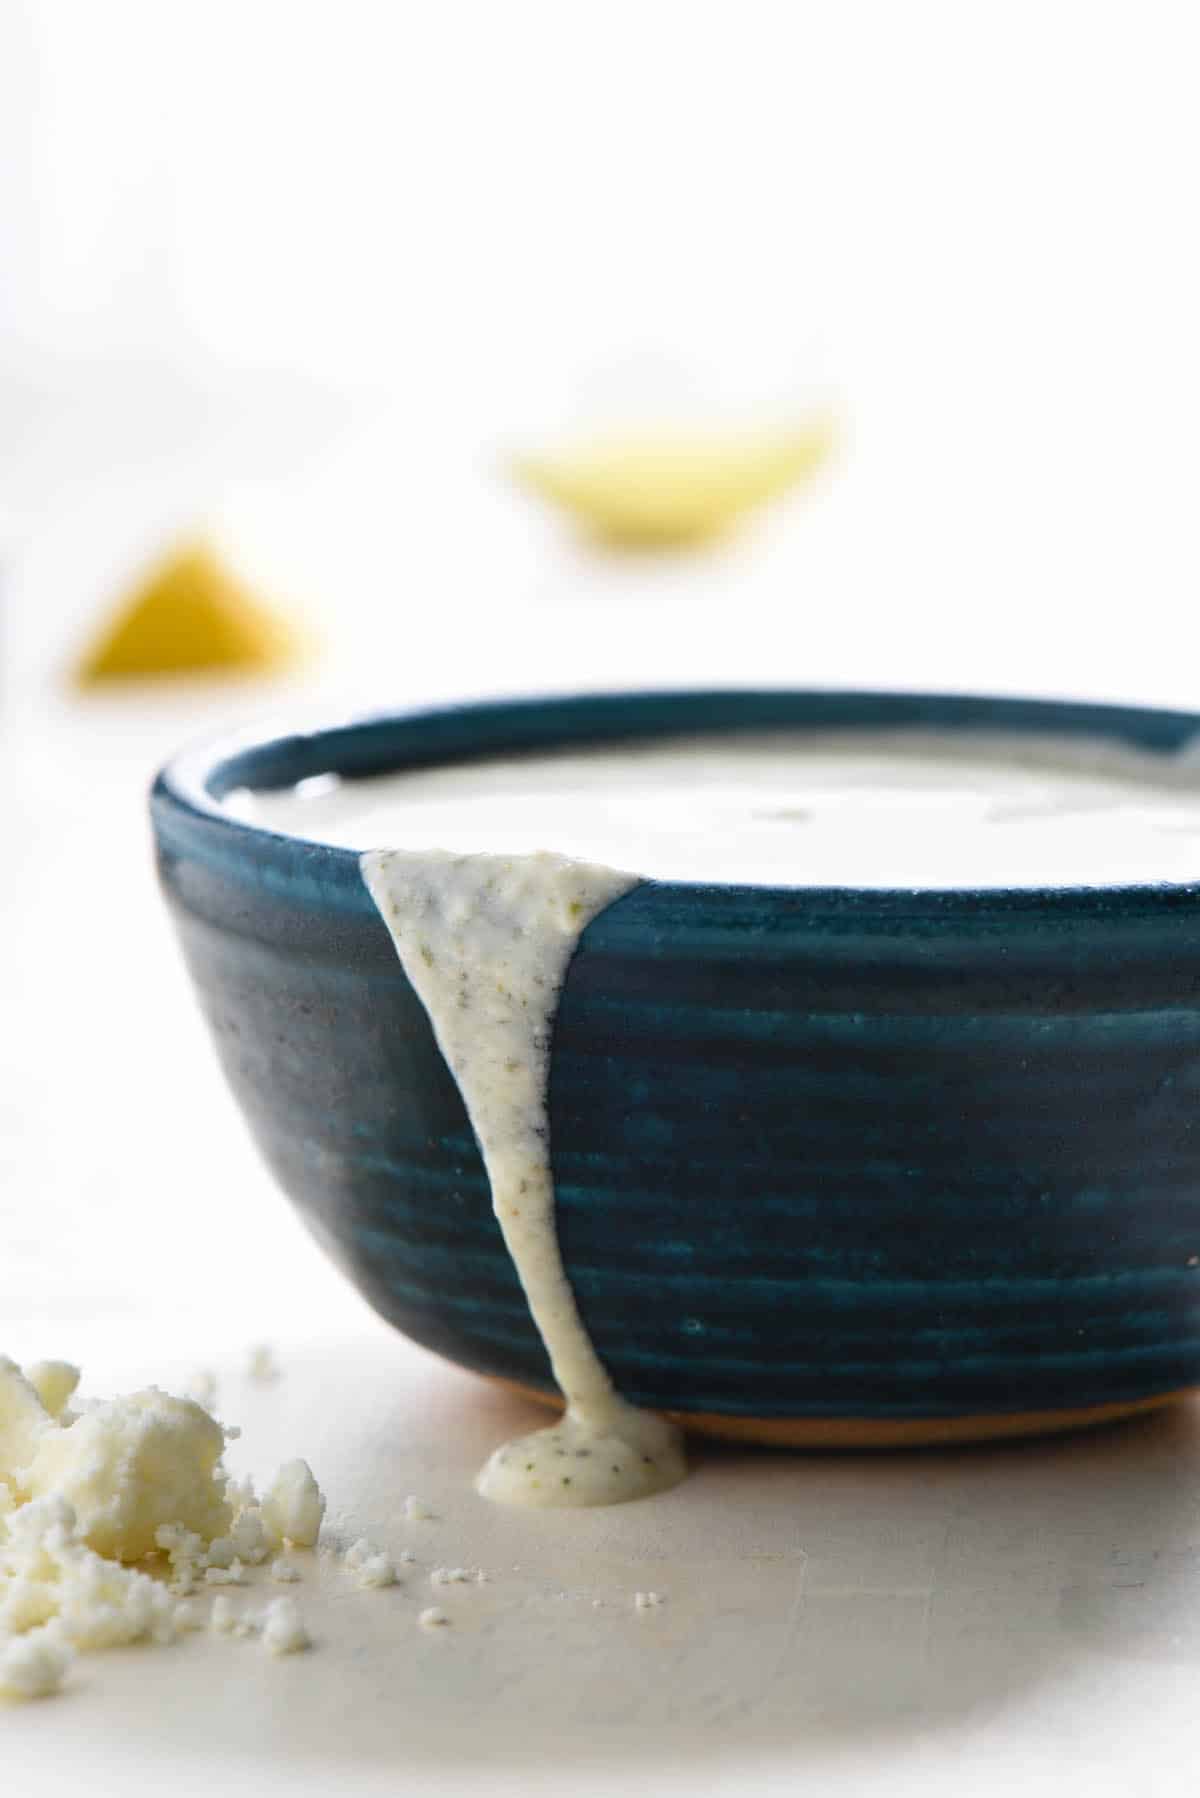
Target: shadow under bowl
{"x":834,"y":1166}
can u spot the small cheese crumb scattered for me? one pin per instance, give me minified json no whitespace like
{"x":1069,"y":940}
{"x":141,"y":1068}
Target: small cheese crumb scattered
{"x":284,"y":1573}
{"x":55,"y":1383}
{"x":249,"y":1537}
{"x":33,"y":1665}
{"x":415,"y":1511}
{"x":233,"y":1575}
{"x":433,"y":1618}
{"x":294,"y":1506}
{"x":646,"y":1601}
{"x":283,"y":1630}
{"x":370,"y":1566}
{"x":456,"y":1576}
{"x":223,"y":1615}
{"x":186,"y":1555}
{"x":263,"y":1366}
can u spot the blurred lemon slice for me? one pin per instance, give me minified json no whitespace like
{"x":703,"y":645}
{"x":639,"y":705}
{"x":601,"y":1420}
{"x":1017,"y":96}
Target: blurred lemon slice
{"x":662,"y":490}
{"x":191,"y":614}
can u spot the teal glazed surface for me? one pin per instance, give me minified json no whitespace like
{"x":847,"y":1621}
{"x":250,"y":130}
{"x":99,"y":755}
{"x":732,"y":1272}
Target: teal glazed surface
{"x":824,"y":1153}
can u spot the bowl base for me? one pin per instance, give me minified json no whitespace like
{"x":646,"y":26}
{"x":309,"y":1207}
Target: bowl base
{"x":890,"y":1432}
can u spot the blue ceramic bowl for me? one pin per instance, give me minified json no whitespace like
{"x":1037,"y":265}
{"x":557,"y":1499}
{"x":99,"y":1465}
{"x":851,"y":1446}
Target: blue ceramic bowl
{"x":833,"y":1165}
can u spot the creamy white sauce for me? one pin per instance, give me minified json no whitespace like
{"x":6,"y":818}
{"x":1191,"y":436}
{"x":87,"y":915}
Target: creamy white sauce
{"x":485,"y":941}
{"x":919,"y":809}
{"x":485,"y":921}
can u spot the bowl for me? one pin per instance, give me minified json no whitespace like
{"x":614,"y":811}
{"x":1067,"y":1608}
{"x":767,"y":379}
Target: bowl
{"x":834,"y":1166}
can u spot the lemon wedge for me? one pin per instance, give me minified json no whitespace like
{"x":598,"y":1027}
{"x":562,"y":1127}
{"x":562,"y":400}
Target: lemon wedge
{"x":663,"y":491}
{"x":191,"y":614}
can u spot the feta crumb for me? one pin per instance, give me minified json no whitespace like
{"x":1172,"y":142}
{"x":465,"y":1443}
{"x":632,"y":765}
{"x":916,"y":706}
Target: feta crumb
{"x":233,"y":1575}
{"x":130,"y":1465}
{"x":34,"y":1665}
{"x":454,"y":1576}
{"x":406,"y":1557}
{"x":284,"y":1573}
{"x":249,"y":1537}
{"x":415,"y":1511}
{"x":185,"y":1554}
{"x":24,"y":1420}
{"x":86,"y":1497}
{"x":433,"y":1618}
{"x":370,"y":1566}
{"x":294,"y":1506}
{"x":48,"y":1572}
{"x":283,"y":1628}
{"x":263,"y":1366}
{"x":646,"y":1601}
{"x":376,"y":1570}
{"x":55,"y":1383}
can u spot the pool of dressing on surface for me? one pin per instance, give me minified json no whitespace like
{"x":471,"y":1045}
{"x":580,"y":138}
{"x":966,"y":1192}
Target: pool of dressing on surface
{"x":492,"y":870}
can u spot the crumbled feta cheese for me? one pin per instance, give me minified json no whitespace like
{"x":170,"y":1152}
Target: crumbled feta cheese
{"x":284,"y":1572}
{"x":263,"y":1366}
{"x":370,"y":1566}
{"x":48,"y":1572}
{"x":54,"y":1382}
{"x":33,"y":1665}
{"x":185,"y":1554}
{"x":455,"y":1576}
{"x":433,"y":1618}
{"x":233,"y":1575}
{"x":294,"y":1506}
{"x":129,"y":1466}
{"x":646,"y":1601}
{"x":24,"y":1420}
{"x":415,"y":1511}
{"x":85,"y":1498}
{"x":283,"y":1628}
{"x":249,"y":1537}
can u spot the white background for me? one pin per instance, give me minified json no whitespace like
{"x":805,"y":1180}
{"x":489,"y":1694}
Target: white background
{"x":306,"y":273}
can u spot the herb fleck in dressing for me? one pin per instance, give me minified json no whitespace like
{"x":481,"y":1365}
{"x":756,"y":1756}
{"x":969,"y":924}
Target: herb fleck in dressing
{"x":485,"y":941}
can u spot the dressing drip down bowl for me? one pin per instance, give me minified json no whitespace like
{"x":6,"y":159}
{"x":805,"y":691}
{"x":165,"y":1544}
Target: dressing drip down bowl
{"x":833,"y":1164}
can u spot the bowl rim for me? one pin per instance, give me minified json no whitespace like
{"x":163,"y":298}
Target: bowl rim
{"x":190,"y":787}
